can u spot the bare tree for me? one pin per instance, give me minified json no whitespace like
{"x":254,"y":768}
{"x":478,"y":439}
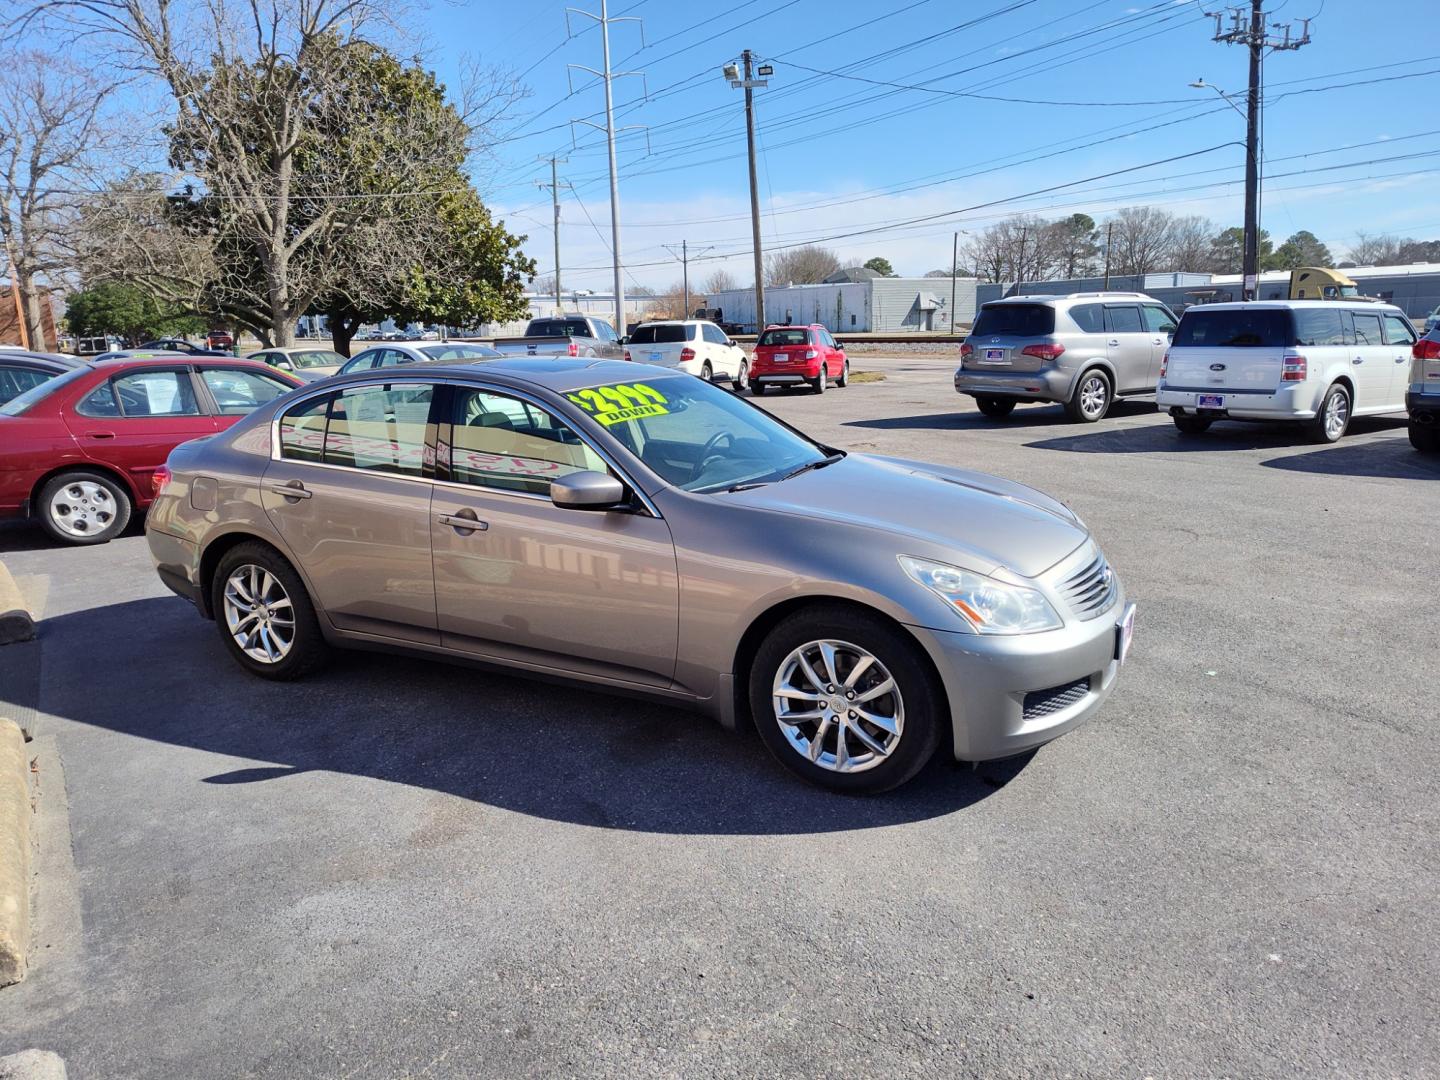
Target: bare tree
{"x":1020,"y":248}
{"x":801,"y":265}
{"x":1191,"y":241}
{"x":1141,"y":240}
{"x":1377,"y":249}
{"x":54,"y":134}
{"x":720,"y":280}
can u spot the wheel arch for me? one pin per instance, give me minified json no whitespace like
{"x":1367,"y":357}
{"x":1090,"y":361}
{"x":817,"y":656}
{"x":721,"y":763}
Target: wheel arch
{"x":83,"y":466}
{"x":216,"y":550}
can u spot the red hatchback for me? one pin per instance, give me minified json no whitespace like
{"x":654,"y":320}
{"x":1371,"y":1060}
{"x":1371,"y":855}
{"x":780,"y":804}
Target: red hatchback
{"x":80,"y":452}
{"x":791,"y":355}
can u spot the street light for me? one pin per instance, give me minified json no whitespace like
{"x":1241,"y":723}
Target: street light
{"x":1201,"y":84}
{"x":1250,"y":269}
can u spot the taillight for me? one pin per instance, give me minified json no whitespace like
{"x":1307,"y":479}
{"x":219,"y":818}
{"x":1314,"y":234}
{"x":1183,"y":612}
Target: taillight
{"x":1164,"y":364}
{"x":811,"y":354}
{"x":687,"y":353}
{"x":574,"y":349}
{"x":1426,"y":349}
{"x":966,"y":351}
{"x":1051,"y":351}
{"x":159,"y":478}
{"x":628,"y":356}
{"x":1294,"y":369}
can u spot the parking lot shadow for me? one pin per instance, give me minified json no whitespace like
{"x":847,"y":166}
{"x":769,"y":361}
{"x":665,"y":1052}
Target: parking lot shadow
{"x":1165,"y":439}
{"x":1381,"y":458}
{"x":535,"y":748}
{"x":971,"y":419}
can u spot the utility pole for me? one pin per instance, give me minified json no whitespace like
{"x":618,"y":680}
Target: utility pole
{"x":1252,"y":35}
{"x":1109,"y":236}
{"x":608,"y":77}
{"x":749,"y":83}
{"x":1020,"y":263}
{"x":554,"y":187}
{"x":684,"y":258}
{"x":954,"y":269}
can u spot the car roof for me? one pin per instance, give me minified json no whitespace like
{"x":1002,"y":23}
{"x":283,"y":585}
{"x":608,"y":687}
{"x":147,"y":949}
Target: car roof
{"x":558,"y":374}
{"x":1286,"y":305}
{"x":165,"y":360}
{"x":60,"y":360}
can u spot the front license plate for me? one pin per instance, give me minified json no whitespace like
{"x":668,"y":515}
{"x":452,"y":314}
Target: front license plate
{"x":657,"y":356}
{"x":1124,"y":633}
{"x":994,"y":356}
{"x":1210,"y":401}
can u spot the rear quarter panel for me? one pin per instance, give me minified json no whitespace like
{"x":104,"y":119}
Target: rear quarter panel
{"x":31,"y":447}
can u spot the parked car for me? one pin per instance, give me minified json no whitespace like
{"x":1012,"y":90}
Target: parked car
{"x":693,"y":346}
{"x":219,"y":339}
{"x":1432,"y":320}
{"x":306,"y":361}
{"x":1317,"y":362}
{"x":555,"y":502}
{"x":798,"y":355}
{"x":81,"y":448}
{"x":93,"y":346}
{"x":21,"y":370}
{"x":565,"y":335}
{"x":1422,"y":396}
{"x":1082,"y":350}
{"x":182,"y":347}
{"x":394,"y":355}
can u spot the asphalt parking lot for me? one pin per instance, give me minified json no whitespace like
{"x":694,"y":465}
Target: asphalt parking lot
{"x":402,"y":868}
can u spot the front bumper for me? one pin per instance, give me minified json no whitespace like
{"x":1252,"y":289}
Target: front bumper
{"x":987,"y":680}
{"x":1047,"y":384}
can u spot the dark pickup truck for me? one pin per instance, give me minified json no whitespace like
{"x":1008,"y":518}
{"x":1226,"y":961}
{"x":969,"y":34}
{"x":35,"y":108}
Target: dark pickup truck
{"x":568,"y":335}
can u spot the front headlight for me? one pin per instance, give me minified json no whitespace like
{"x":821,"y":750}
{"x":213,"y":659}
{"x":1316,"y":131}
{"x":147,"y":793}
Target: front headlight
{"x":989,"y":606}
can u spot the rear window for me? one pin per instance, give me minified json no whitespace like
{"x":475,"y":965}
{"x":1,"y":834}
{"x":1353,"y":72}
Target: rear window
{"x":784,"y":337}
{"x":1016,"y":320}
{"x":558,"y":328}
{"x":660,"y":334}
{"x":1258,"y":328}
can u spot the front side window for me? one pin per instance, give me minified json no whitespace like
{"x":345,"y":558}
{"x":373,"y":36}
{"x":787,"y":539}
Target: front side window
{"x":313,"y":358}
{"x":364,"y":362}
{"x":1123,"y":319}
{"x":605,"y":331}
{"x":713,"y":334}
{"x":1397,"y":331}
{"x":1158,"y":320}
{"x":501,"y":442}
{"x":142,"y":394}
{"x":1367,"y":329}
{"x":379,"y":428}
{"x":460,"y":351}
{"x":239,"y":392}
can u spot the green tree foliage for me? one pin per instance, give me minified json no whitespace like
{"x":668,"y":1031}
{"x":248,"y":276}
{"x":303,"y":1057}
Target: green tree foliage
{"x":1301,"y":249}
{"x":126,"y":310}
{"x":881,"y":266}
{"x":1228,"y":251}
{"x":1076,"y":245}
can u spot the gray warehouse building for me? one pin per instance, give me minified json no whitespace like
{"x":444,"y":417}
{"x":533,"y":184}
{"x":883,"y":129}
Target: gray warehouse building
{"x":870,"y":304}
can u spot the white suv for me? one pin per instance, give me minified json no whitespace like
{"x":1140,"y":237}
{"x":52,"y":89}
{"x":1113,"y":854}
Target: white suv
{"x":1316,"y":361}
{"x":694,"y":346}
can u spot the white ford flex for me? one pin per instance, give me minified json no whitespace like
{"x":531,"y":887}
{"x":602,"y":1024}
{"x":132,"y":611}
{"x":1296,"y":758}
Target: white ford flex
{"x":1319,"y":362}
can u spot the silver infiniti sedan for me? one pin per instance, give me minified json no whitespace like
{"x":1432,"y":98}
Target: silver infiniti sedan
{"x":635,"y":528}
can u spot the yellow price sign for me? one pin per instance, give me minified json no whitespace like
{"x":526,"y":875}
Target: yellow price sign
{"x":620,"y":402}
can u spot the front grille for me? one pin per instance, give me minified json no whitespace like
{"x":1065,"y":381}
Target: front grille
{"x":1091,"y":590}
{"x":1042,"y":703}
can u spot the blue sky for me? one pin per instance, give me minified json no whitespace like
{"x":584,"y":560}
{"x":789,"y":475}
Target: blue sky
{"x":860,"y":150}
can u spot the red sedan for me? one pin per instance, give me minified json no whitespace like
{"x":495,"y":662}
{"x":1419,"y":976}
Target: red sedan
{"x":796,"y":355}
{"x":79,"y":452}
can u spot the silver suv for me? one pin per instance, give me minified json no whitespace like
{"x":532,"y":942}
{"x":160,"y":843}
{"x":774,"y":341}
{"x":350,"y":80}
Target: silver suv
{"x":1082,"y":350}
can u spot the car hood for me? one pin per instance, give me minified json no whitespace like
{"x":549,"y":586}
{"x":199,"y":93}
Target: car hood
{"x":990,"y":520}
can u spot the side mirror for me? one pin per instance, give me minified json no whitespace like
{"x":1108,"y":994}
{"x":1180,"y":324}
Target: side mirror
{"x":625,"y":340}
{"x":587,"y":490}
{"x":285,"y":365}
{"x":840,"y":345}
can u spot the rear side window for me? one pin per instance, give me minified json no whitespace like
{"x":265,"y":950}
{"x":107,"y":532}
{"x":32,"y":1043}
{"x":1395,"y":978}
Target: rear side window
{"x":1016,"y":320}
{"x":784,"y":337}
{"x":1089,"y":317}
{"x":1319,"y":326}
{"x":1367,"y":329}
{"x":379,"y":428}
{"x":1123,"y":319}
{"x":1267,"y":328}
{"x":302,"y":431}
{"x":663,"y":334}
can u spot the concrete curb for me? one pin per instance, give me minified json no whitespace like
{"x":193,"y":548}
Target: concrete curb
{"x":16,"y":622}
{"x":14,"y":854}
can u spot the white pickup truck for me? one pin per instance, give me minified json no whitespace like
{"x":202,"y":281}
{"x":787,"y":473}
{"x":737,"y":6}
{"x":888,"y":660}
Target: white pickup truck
{"x":565,"y":335}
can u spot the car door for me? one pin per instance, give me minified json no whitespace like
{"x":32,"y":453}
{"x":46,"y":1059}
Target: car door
{"x":133,"y":420}
{"x":722,"y":357}
{"x":1160,"y":325}
{"x":1370,"y":362}
{"x":519,"y":579}
{"x":1400,"y":338}
{"x":1128,"y":345}
{"x":350,"y":494}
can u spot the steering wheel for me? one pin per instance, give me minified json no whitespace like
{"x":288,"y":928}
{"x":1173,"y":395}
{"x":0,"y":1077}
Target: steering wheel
{"x":708,"y":451}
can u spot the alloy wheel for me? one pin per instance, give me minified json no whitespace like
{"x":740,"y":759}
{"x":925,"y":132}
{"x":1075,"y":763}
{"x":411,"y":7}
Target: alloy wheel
{"x":82,"y":508}
{"x":1337,"y":415}
{"x":1094,"y":392}
{"x":838,"y":706}
{"x":259,"y":614}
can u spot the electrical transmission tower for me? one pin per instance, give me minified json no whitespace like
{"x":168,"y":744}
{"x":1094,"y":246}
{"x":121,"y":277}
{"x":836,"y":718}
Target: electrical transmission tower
{"x":684,"y":258}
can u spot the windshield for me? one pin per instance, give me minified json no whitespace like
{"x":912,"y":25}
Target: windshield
{"x":784,"y":337}
{"x":315,"y":358}
{"x":698,"y":437}
{"x":18,"y":404}
{"x":1263,"y":328}
{"x":1015,"y":320}
{"x":1349,"y":290}
{"x":460,"y":351}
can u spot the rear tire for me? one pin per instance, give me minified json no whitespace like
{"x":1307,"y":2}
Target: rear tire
{"x":1333,"y":419}
{"x":758,"y":389}
{"x":1425,"y":438}
{"x":996,"y":408}
{"x":83,"y":508}
{"x":706,"y":371}
{"x":1091,"y":398}
{"x":1191,"y":425}
{"x":253,"y":589}
{"x":742,"y":377}
{"x":820,"y":381}
{"x":910,"y":716}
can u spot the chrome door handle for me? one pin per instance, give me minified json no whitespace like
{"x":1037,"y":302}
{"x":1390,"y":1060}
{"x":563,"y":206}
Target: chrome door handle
{"x":1112,"y":341}
{"x":99,"y":434}
{"x":294,"y":490}
{"x":465,"y":523}
{"x":1358,"y":360}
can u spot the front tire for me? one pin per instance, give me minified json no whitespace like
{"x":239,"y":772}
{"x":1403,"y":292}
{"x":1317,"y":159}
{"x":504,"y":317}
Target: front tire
{"x":1191,"y":425}
{"x":83,"y":508}
{"x":844,"y":379}
{"x":821,"y":380}
{"x":844,"y":700}
{"x":995,"y":408}
{"x":265,"y":615}
{"x":1091,"y":399}
{"x":1333,"y":419}
{"x":1425,"y":438}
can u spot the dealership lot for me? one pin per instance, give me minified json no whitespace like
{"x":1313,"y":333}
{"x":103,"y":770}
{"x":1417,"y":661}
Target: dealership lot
{"x":400,"y":868}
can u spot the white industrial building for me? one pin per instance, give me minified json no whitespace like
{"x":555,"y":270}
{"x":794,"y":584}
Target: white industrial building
{"x":875,"y":305}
